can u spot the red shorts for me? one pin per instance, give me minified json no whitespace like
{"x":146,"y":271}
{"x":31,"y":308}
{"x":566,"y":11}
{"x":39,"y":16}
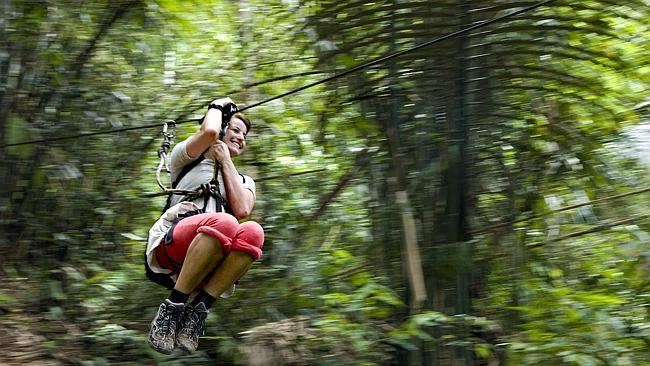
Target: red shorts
{"x":247,"y":237}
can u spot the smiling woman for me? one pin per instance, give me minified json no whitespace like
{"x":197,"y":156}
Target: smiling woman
{"x":197,"y":244}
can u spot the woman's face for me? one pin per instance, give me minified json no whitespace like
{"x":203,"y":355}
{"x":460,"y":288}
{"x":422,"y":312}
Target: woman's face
{"x":235,"y":137}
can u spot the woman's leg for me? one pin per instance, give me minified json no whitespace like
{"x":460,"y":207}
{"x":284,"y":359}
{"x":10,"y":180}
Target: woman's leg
{"x":203,"y":255}
{"x":245,"y":248}
{"x":198,"y":243}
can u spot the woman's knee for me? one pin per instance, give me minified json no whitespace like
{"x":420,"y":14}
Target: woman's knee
{"x":221,"y":221}
{"x":221,"y":226}
{"x":252,"y":233}
{"x":249,"y":239}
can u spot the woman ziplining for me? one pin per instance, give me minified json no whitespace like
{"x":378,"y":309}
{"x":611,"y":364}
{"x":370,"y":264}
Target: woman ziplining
{"x":198,"y":244}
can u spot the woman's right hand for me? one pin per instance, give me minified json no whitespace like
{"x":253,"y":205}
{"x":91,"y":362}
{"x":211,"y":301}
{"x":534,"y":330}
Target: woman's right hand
{"x":222,"y":101}
{"x":206,"y":136}
{"x":213,"y":116}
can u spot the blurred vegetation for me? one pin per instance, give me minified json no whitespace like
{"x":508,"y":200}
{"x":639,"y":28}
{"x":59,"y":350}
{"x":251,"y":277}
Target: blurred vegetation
{"x":432,"y":226}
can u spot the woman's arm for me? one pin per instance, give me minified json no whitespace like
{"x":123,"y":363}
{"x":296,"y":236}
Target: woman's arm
{"x":240,"y":198}
{"x":209,"y":131}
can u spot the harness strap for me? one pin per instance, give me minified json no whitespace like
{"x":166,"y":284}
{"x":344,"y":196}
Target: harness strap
{"x":207,"y":190}
{"x":166,"y":242}
{"x":186,"y":169}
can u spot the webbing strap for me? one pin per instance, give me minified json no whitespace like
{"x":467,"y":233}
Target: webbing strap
{"x":186,"y":169}
{"x":166,"y":242}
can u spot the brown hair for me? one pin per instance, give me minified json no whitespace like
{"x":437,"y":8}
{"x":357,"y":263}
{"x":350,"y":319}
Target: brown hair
{"x":243,"y":118}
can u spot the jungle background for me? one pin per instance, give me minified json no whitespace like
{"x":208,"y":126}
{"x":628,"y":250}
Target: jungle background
{"x":482,"y":201}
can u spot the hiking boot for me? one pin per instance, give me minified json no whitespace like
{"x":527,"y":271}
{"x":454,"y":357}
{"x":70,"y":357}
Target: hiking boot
{"x":164,"y":325}
{"x":191,"y":327}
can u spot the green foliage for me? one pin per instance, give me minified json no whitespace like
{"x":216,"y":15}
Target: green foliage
{"x":347,"y":327}
{"x":441,"y":330}
{"x":493,"y":127}
{"x":587,"y":307}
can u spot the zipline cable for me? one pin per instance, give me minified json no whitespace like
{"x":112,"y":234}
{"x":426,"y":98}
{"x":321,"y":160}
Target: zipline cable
{"x":562,"y":209}
{"x":400,"y":53}
{"x":310,"y":85}
{"x":54,"y":139}
{"x":594,"y":229}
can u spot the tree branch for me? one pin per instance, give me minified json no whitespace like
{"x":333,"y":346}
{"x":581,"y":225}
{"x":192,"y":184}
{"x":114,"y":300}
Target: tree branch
{"x":82,"y":58}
